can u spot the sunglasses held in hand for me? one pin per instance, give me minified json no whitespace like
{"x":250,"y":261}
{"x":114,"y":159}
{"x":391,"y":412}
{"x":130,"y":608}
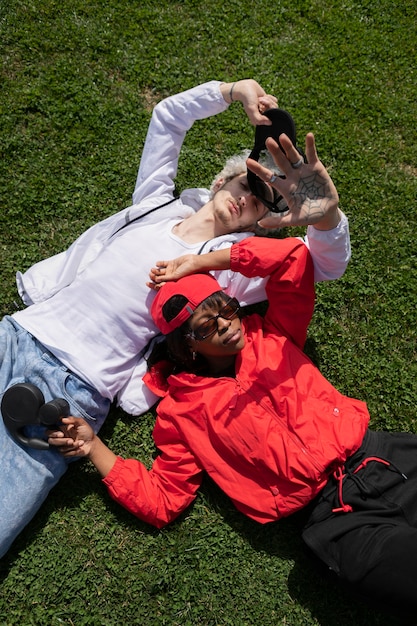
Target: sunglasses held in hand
{"x":282,"y":122}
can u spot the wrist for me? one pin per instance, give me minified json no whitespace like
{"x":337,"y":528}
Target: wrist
{"x":101,"y":456}
{"x":228,"y":92}
{"x":93,"y":444}
{"x":96,"y":451}
{"x":330,"y":221}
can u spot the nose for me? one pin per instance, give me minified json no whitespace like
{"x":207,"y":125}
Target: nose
{"x":246,"y":199}
{"x":222,"y":325}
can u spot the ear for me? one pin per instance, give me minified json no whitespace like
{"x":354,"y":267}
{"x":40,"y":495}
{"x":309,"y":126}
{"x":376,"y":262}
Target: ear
{"x":218,"y":184}
{"x":191,"y":344}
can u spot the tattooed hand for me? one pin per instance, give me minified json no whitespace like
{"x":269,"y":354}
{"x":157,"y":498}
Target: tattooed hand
{"x":307,"y":188}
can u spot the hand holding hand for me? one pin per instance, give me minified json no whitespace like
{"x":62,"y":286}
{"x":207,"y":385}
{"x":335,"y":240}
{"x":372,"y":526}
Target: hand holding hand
{"x":74,"y":439}
{"x":307,"y":188}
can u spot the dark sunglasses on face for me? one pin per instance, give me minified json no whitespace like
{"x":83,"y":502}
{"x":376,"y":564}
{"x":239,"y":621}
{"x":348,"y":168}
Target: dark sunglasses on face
{"x":228,"y":312}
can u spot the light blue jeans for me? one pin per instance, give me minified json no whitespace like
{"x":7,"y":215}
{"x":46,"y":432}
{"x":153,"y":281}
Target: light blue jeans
{"x":26,"y":474}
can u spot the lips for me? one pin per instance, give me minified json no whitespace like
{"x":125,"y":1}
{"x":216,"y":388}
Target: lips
{"x":234,"y":207}
{"x":233,"y":338}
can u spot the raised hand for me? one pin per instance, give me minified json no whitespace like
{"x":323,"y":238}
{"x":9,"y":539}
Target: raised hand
{"x":307,"y":187}
{"x":253,"y":97}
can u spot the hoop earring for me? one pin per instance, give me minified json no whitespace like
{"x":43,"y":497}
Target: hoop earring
{"x":194,"y":355}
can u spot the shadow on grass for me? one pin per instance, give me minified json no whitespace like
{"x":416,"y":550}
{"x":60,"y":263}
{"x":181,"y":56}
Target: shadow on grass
{"x":310,"y":583}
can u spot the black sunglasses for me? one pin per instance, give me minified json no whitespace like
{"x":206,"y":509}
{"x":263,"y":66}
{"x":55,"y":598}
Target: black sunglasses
{"x":210,"y":326}
{"x":282,"y":122}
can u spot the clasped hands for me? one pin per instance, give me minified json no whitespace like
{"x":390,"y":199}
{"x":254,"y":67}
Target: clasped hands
{"x":74,"y":438}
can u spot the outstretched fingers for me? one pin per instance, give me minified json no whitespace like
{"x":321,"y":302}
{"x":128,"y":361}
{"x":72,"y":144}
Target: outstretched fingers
{"x":311,"y":150}
{"x":288,"y":157}
{"x":306,"y":186}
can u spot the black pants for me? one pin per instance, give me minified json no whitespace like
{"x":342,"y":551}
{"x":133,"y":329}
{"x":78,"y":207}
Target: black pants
{"x":364,"y":524}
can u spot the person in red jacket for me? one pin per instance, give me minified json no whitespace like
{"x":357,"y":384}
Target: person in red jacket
{"x":242,"y":402}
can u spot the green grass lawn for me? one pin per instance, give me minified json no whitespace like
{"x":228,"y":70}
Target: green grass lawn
{"x":78,"y":82}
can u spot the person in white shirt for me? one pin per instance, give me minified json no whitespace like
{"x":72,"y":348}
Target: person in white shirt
{"x":83,"y":334}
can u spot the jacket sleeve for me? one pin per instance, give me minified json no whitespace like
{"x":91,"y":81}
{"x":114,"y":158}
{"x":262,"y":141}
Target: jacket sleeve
{"x":330,"y":251}
{"x":290,"y":287}
{"x":171,"y":119}
{"x":157,"y":496}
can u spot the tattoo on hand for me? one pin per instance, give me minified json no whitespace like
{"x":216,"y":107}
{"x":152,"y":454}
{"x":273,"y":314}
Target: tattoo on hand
{"x":312,"y":195}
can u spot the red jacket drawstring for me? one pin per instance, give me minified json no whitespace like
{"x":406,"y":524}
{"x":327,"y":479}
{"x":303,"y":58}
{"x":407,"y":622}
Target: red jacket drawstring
{"x":344,"y":508}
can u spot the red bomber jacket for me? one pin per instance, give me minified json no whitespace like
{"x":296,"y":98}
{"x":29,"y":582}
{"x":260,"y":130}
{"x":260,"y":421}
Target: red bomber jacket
{"x":270,"y":436}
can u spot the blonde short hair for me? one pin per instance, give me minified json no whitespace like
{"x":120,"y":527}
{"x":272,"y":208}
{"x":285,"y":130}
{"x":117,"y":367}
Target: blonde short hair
{"x":236,"y":165}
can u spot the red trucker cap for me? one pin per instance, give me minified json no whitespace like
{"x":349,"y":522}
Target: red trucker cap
{"x":194,"y":288}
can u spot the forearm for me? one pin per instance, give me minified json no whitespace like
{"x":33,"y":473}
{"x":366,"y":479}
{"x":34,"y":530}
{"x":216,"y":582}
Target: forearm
{"x":189,"y":264}
{"x":171,"y":119}
{"x":156,"y":496}
{"x":101,"y":457}
{"x":212,"y":261}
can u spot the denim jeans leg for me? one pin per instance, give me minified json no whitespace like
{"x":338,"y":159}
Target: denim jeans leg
{"x":27,"y":474}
